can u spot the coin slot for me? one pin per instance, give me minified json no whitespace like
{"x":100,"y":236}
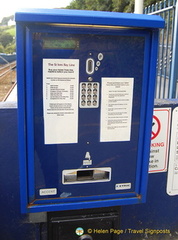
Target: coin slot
{"x":90,"y":65}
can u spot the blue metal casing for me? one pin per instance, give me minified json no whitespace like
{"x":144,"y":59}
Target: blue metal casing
{"x":80,"y":149}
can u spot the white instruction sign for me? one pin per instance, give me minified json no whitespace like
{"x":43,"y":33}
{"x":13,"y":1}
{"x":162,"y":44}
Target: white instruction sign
{"x":116,"y":109}
{"x":160,"y":140}
{"x":172,"y":180}
{"x":60,"y":100}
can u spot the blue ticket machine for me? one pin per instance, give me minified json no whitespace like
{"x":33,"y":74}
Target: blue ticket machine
{"x":85,"y":95}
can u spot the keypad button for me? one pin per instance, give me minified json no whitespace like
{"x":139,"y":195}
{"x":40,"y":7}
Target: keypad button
{"x":83,"y":91}
{"x":83,"y":103}
{"x":94,"y":103}
{"x":89,"y":91}
{"x":94,"y":97}
{"x":89,"y":103}
{"x":89,"y":85}
{"x":89,"y":97}
{"x":95,"y":91}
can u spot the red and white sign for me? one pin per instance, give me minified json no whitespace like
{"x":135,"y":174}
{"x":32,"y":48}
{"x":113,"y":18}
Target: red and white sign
{"x":156,"y":127}
{"x":160,"y":140}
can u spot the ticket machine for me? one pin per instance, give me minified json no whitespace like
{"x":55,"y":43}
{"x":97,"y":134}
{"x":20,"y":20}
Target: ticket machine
{"x":85,"y":100}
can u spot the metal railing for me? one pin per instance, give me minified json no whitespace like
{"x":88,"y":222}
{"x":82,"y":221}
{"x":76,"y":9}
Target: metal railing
{"x":167,"y":10}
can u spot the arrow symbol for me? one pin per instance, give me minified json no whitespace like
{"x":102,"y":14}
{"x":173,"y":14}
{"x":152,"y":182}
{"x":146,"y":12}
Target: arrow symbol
{"x":87,"y":155}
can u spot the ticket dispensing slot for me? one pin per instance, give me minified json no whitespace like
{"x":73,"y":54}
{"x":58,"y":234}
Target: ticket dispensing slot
{"x":86,"y":175}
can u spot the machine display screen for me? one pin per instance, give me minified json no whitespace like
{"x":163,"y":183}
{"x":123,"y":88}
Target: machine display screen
{"x":60,"y":43}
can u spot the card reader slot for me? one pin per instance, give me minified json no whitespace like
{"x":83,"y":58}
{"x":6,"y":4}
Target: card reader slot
{"x":86,"y":175}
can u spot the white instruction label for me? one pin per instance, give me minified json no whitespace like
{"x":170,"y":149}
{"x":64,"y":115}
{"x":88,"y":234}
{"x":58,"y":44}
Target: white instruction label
{"x":172,"y":180}
{"x":116,"y":109}
{"x":122,"y":186}
{"x":87,"y":162}
{"x":48,"y":191}
{"x":60,"y":100}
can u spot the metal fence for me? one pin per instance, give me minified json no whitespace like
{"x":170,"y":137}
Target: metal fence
{"x":165,"y":84}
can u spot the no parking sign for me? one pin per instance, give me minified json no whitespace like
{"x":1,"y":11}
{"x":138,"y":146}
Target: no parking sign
{"x":156,"y":127}
{"x":160,"y":140}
